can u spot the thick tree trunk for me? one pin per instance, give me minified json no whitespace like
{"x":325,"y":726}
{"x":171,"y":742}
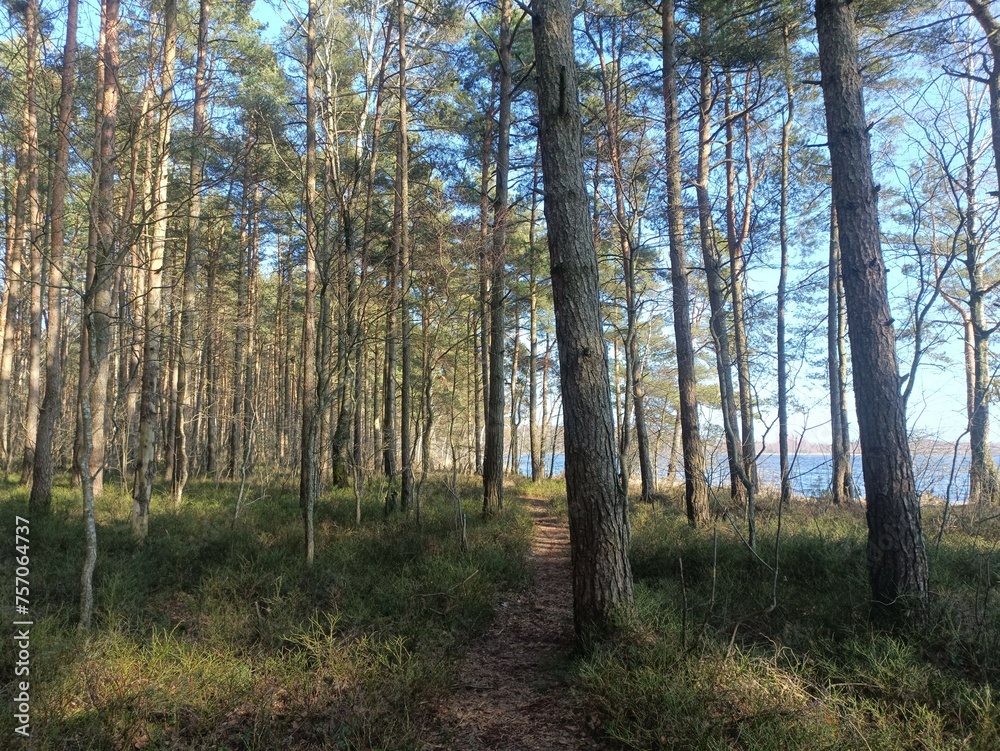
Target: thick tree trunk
{"x":696,"y":486}
{"x":599,"y":527}
{"x":8,"y":316}
{"x":211,"y":368}
{"x":41,"y":484}
{"x":897,"y":561}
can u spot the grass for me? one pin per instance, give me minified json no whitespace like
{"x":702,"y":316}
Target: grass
{"x":709,"y":661}
{"x":215,"y":636}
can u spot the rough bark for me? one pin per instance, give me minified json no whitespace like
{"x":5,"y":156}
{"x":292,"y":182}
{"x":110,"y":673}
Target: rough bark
{"x":897,"y":561}
{"x":599,"y":528}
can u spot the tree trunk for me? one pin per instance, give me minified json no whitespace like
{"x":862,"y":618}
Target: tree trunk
{"x":837,"y":369}
{"x":493,"y":451}
{"x":535,"y":444}
{"x":786,"y":135}
{"x":737,"y":277}
{"x":145,"y":468}
{"x":611,"y":85}
{"x":41,"y":484}
{"x":401,"y":239}
{"x":696,"y":487}
{"x":485,"y":158}
{"x":33,"y":234}
{"x":97,"y":299}
{"x":187,"y":351}
{"x":716,"y":293}
{"x":310,"y":409}
{"x":897,"y":561}
{"x":599,"y":527}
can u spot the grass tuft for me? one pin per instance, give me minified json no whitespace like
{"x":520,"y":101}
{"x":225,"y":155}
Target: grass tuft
{"x":736,"y":670}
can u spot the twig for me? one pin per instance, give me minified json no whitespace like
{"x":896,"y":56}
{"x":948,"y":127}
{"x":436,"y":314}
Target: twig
{"x":450,"y":589}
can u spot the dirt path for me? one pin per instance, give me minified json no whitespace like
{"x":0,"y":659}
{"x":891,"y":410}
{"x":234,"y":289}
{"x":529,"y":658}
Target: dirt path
{"x":509,"y":695}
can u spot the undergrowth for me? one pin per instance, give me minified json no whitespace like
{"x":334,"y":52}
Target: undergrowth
{"x":718,"y":657}
{"x":214,"y":635}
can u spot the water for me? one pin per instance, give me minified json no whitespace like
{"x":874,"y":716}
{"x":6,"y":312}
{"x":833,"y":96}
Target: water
{"x":811,"y":473}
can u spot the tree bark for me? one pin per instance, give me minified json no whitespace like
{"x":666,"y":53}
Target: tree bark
{"x":493,"y":450}
{"x":41,"y":484}
{"x":716,"y":292}
{"x":485,"y":156}
{"x":33,"y":234}
{"x":737,"y":277}
{"x":897,"y":561}
{"x":97,"y":299}
{"x":534,"y":440}
{"x":187,"y":352}
{"x":145,"y":468}
{"x":695,"y":484}
{"x":402,"y":241}
{"x":786,"y":135}
{"x":837,"y":369}
{"x":310,"y":409}
{"x":599,"y":528}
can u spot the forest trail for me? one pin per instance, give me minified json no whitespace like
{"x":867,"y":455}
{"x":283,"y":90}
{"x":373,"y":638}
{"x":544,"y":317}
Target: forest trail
{"x":509,"y":696}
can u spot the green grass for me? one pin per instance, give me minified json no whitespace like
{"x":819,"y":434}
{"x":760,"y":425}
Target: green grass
{"x":730,"y":671}
{"x":215,"y":636}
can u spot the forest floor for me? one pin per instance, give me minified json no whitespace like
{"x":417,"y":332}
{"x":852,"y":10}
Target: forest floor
{"x":216,"y":635}
{"x":512,"y":692}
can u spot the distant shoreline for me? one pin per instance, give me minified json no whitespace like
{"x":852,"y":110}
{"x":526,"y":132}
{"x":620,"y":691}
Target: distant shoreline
{"x":940,"y":449}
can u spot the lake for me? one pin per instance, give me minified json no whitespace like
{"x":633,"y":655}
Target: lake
{"x":811,"y":473}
